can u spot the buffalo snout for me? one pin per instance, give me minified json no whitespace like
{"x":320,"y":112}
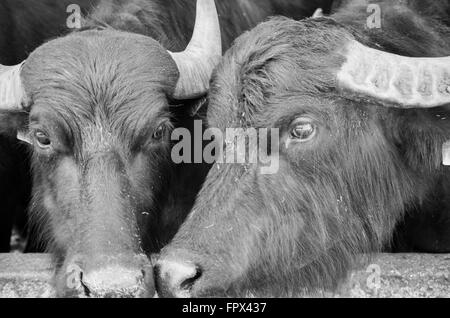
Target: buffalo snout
{"x":175,"y":279}
{"x":108,"y":277}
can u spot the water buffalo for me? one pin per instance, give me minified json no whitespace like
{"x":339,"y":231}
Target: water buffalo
{"x":98,"y":106}
{"x":362,"y":120}
{"x":24,"y":25}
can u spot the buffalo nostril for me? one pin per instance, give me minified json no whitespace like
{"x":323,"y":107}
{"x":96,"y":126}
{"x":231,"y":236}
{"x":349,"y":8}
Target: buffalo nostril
{"x":86,"y":290}
{"x":175,"y":279}
{"x":189,"y":282}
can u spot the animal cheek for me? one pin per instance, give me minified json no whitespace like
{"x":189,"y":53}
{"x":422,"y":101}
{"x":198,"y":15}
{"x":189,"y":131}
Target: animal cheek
{"x":138,"y":170}
{"x":143,"y":176}
{"x":58,"y":218}
{"x":49,"y":202}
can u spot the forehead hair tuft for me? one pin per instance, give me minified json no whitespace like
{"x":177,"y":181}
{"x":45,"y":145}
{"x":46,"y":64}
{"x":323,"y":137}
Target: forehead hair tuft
{"x":119,"y":78}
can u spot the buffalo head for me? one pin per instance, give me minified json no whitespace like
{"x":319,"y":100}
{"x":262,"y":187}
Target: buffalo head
{"x":360,"y":142}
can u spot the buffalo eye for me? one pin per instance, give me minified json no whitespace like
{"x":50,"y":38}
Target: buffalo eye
{"x":303,"y":130}
{"x":158,"y":134}
{"x":42,"y":139}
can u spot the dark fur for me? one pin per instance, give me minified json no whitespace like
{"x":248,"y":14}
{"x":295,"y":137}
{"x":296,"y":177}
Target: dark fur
{"x":100,"y":93}
{"x":335,"y":197}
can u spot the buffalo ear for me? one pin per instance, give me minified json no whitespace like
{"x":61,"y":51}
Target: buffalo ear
{"x":14,"y":124}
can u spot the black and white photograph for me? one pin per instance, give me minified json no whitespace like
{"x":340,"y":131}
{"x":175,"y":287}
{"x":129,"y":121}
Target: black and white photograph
{"x":230,"y":151}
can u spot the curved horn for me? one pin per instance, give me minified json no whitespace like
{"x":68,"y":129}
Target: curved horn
{"x":12,"y":94}
{"x":404,"y":81}
{"x":202,"y":54}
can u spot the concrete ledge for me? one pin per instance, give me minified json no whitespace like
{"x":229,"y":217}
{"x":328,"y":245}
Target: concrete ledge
{"x":401,"y":276}
{"x":388,"y":276}
{"x":26,"y":276}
